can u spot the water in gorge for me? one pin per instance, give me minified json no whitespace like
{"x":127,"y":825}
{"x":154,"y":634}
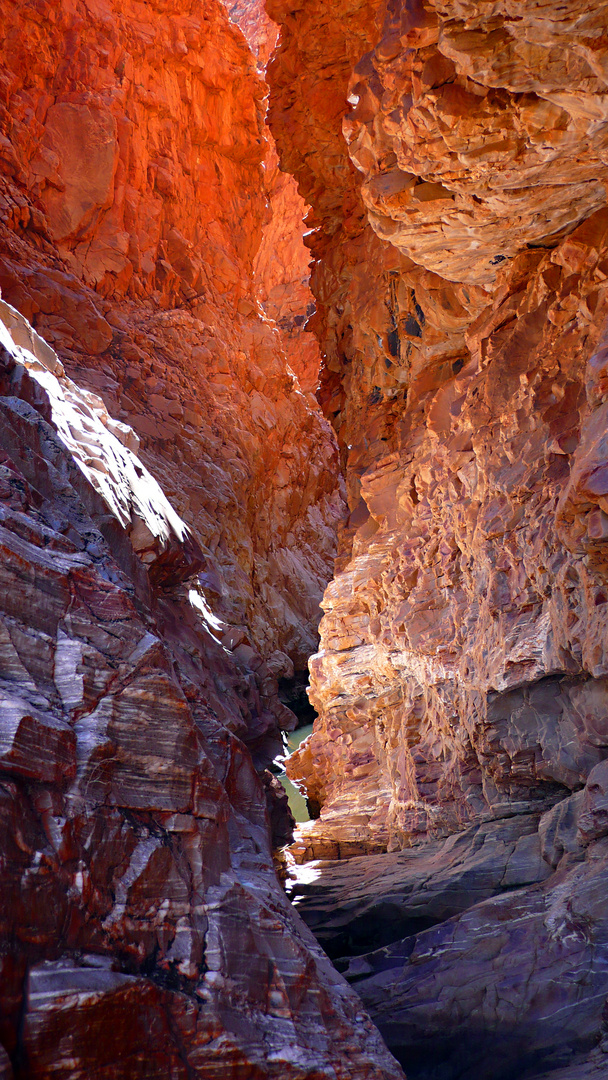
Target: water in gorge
{"x":303,"y":309}
{"x":297,"y":801}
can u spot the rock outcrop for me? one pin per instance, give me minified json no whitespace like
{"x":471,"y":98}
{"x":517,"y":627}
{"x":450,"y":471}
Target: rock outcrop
{"x":143,"y":930}
{"x":460,"y":236}
{"x":168,"y":500}
{"x":462,"y":660}
{"x":134,"y":196}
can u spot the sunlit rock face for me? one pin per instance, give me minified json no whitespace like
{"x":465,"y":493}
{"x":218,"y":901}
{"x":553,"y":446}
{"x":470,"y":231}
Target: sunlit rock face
{"x":168,"y":500}
{"x":282,"y":262}
{"x":134,"y":197}
{"x":480,"y":128}
{"x":454,"y":157}
{"x":462,"y":660}
{"x":282,"y":272}
{"x":143,"y":929}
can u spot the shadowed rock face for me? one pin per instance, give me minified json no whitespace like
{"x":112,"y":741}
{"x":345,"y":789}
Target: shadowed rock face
{"x":143,"y":929}
{"x":461,"y":679}
{"x":168,"y":506}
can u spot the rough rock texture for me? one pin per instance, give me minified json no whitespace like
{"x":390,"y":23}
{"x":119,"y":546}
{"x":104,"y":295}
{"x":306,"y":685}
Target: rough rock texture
{"x":169,"y":498}
{"x":480,"y":128}
{"x":132,"y":203}
{"x":356,"y":904}
{"x":515,"y":985}
{"x":282,"y":269}
{"x":460,"y":279}
{"x":259,"y":29}
{"x":281,"y":265}
{"x":462,"y":663}
{"x":143,"y":931}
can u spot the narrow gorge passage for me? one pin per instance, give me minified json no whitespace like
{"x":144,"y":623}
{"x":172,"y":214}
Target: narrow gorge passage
{"x":457,"y":872}
{"x":169,"y":498}
{"x":198,"y":445}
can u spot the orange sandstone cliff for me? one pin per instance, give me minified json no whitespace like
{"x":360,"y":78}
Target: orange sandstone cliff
{"x":133,"y":207}
{"x":169,"y":497}
{"x":454,"y":156}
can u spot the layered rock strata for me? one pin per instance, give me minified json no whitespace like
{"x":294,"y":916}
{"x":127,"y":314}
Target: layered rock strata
{"x":134,"y":198}
{"x":460,"y":278}
{"x":170,"y":499}
{"x":143,"y":929}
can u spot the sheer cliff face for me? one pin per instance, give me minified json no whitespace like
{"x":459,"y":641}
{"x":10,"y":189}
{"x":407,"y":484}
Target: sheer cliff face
{"x":461,"y":251}
{"x":143,"y":929}
{"x":460,"y":276}
{"x":155,"y":579}
{"x":134,"y":195}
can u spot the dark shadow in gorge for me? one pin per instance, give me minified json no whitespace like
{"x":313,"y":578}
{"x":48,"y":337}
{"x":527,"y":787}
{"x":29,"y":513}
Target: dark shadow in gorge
{"x":464,"y":951}
{"x":478,"y":1054}
{"x":293,"y":693}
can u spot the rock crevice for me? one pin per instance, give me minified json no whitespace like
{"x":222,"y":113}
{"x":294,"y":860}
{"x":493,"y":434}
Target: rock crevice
{"x":169,"y":497}
{"x":459,"y":236}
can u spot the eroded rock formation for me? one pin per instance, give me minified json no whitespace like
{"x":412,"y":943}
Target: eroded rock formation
{"x":143,"y":929}
{"x":168,"y":500}
{"x":461,"y":250}
{"x":134,"y":198}
{"x":171,"y":501}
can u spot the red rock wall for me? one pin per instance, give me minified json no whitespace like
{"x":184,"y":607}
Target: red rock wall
{"x":282,"y":269}
{"x":465,"y":405}
{"x":134,"y":201}
{"x":461,"y":680}
{"x":282,"y":262}
{"x":143,"y":931}
{"x":156,"y":579}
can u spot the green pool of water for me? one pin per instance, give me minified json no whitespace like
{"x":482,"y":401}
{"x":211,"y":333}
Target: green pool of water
{"x":297,"y":801}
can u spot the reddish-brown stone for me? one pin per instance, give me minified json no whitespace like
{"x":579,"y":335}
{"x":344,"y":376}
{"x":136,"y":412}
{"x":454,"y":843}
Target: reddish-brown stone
{"x":132,"y":240}
{"x":460,"y":282}
{"x":168,"y":501}
{"x":143,"y":929}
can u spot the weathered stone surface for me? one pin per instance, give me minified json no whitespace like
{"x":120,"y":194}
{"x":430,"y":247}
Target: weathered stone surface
{"x":589,"y":1067}
{"x":6,"y":1071}
{"x":71,"y":1008}
{"x":518,"y":981}
{"x":468,"y":614}
{"x":479,"y":129}
{"x":261,"y":32}
{"x":132,"y":209}
{"x":282,"y":270}
{"x":357,"y":903}
{"x":461,"y":666}
{"x":143,"y":930}
{"x":461,"y":679}
{"x":179,"y":509}
{"x":460,"y":284}
{"x":592,"y":819}
{"x":509,"y":987}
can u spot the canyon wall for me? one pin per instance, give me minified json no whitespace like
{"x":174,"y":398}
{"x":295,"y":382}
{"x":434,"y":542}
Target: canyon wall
{"x":134,"y":197}
{"x":466,"y":390}
{"x":143,"y":930}
{"x":168,"y":500}
{"x":455,"y":157}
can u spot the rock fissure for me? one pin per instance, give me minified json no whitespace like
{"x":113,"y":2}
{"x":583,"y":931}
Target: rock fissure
{"x":461,"y":676}
{"x":174,"y":503}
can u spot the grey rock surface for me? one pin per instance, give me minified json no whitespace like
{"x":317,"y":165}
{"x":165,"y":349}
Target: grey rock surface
{"x":352,"y":905}
{"x":516,"y":984}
